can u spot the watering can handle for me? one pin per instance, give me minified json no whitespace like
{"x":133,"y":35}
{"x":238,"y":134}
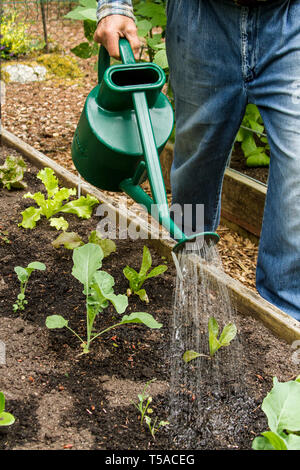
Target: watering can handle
{"x":104,"y":58}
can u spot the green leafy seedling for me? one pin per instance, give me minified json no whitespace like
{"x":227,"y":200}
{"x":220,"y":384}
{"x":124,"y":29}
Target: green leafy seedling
{"x":137,"y":279}
{"x":256,"y":156}
{"x":6,"y":419}
{"x":143,"y":406}
{"x":144,"y":401}
{"x":99,"y":293}
{"x":23,"y":276}
{"x":71,"y":240}
{"x":155,"y":426}
{"x":281,"y":406}
{"x":53,"y":203}
{"x":228,"y":334}
{"x":12,"y":173}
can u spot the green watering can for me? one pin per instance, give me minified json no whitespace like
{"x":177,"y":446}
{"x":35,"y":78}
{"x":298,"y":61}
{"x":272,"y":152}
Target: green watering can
{"x":124,"y":126}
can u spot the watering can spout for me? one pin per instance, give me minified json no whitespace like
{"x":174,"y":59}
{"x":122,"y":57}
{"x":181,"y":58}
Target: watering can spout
{"x":123,"y":128}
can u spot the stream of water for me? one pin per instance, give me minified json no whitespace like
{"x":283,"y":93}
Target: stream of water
{"x":206,"y":394}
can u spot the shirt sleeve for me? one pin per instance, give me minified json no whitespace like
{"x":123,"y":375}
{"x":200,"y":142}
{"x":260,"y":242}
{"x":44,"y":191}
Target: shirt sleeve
{"x":114,"y":7}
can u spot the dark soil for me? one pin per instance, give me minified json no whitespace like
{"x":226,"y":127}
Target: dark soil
{"x":65,"y":401}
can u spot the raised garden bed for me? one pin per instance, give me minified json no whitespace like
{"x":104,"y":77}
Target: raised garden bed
{"x":61,"y":400}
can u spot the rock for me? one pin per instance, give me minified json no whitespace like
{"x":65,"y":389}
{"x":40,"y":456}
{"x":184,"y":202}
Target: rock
{"x":22,"y":73}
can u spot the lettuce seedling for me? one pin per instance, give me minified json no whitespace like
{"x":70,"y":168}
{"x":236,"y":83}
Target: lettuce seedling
{"x":99,"y":293}
{"x":23,"y":276}
{"x":53,"y":203}
{"x":137,"y":279}
{"x":12,"y":173}
{"x":282,"y":409}
{"x":6,"y":419}
{"x":228,"y":334}
{"x":71,"y":240}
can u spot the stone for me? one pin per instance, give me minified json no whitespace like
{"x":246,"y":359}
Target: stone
{"x":22,"y":73}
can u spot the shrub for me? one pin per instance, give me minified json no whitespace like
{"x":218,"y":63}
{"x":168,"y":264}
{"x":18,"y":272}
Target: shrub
{"x":14,"y":39}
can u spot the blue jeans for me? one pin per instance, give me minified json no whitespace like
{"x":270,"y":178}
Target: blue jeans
{"x":221,"y":58}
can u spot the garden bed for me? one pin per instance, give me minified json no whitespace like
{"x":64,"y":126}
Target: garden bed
{"x":62,"y":400}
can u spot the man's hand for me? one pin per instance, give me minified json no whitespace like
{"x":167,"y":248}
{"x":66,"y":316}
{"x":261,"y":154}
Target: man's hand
{"x":111,"y":28}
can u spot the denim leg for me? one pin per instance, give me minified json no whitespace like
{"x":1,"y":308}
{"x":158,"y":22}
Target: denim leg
{"x":222,"y":56}
{"x":205,"y":71}
{"x":275,"y":89}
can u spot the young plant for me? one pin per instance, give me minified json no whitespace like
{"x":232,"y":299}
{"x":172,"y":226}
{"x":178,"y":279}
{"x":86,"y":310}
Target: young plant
{"x":12,"y":173}
{"x":137,"y":279}
{"x":155,"y":426}
{"x":85,"y":11}
{"x":282,"y":409}
{"x":23,"y":276}
{"x":151,"y":16}
{"x":144,"y":401}
{"x":54,"y":202}
{"x":99,"y":293}
{"x":6,"y":419}
{"x":228,"y":334}
{"x":256,"y":156}
{"x":71,"y":240}
{"x":143,"y":406}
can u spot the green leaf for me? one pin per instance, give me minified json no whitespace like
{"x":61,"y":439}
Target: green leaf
{"x":59,"y":223}
{"x":22,"y":273}
{"x":12,"y":173}
{"x":142,"y":317}
{"x":30,"y":217}
{"x":143,"y":26}
{"x":142,"y":295}
{"x":281,"y":407}
{"x":6,"y":419}
{"x":248,"y":145}
{"x":132,"y":277}
{"x":146,"y":262}
{"x":228,"y":334}
{"x":261,"y":443}
{"x":293,"y":442}
{"x":275,"y":440}
{"x":83,"y":50}
{"x":2,"y":402}
{"x":105,"y":283}
{"x":154,"y":12}
{"x":56,"y":321}
{"x":36,"y":265}
{"x":213,"y":331}
{"x":89,"y":27}
{"x":87,"y":260}
{"x":161,"y":59}
{"x":70,"y":240}
{"x":258,"y":159}
{"x":157,"y":271}
{"x":190,"y":356}
{"x":108,"y":246}
{"x":82,"y":207}
{"x":48,"y":178}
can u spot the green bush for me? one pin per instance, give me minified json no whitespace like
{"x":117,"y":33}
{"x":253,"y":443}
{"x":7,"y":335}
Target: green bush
{"x":14,"y":38}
